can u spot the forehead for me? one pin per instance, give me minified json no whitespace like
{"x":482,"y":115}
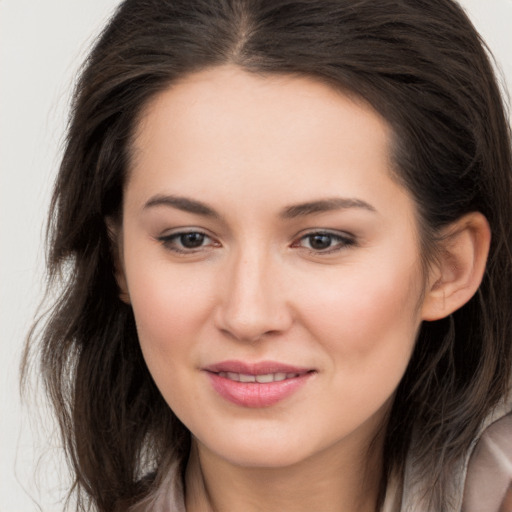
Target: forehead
{"x":229,"y":130}
{"x":216,"y":104}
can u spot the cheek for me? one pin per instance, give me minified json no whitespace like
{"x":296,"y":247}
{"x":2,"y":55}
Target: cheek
{"x":367,"y":324}
{"x":170,"y":310}
{"x":368,"y":313}
{"x":169,"y":305}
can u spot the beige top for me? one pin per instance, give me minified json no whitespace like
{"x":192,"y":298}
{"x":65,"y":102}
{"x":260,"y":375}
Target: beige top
{"x":483,"y":483}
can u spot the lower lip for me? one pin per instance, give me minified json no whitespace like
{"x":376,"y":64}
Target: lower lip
{"x":255,"y":394}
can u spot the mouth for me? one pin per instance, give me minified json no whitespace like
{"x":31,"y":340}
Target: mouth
{"x":257,"y":385}
{"x":264,"y":378}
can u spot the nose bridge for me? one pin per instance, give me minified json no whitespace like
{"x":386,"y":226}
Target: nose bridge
{"x":253,"y":303}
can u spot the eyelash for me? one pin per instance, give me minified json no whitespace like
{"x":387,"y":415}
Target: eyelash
{"x":171,"y":242}
{"x":341,"y":241}
{"x":175,"y":242}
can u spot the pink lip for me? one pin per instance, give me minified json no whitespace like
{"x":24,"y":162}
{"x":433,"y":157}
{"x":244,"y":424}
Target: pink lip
{"x":255,"y":394}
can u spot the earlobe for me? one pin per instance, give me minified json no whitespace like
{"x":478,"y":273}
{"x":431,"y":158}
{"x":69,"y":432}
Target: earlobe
{"x":116,"y":246}
{"x":459,"y":267}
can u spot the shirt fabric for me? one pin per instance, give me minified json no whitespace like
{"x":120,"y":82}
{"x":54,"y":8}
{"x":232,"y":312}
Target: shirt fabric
{"x":482,"y":483}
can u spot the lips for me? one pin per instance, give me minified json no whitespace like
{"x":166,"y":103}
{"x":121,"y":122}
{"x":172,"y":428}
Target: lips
{"x":261,"y":378}
{"x":256,"y":385}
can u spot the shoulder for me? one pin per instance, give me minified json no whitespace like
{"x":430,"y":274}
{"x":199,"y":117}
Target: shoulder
{"x":488,"y":483}
{"x":479,"y":482}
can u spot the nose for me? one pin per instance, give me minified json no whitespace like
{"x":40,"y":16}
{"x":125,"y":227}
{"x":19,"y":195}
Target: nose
{"x":253,"y":303}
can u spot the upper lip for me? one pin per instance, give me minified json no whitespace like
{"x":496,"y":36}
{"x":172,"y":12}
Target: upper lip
{"x":259,"y":368}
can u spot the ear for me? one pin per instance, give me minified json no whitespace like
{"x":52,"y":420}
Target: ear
{"x":459,"y":268}
{"x":116,"y":247}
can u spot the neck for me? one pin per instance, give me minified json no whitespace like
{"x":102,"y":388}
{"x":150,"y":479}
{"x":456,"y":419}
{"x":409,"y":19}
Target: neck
{"x":334,"y":481}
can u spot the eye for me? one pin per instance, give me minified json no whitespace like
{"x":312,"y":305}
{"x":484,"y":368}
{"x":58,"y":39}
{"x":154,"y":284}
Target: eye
{"x":186,"y":241}
{"x":324,"y":242}
{"x":191,"y":240}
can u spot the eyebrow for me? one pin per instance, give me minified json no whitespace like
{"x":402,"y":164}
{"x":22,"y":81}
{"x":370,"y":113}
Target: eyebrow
{"x":182,"y":203}
{"x":290,"y":212}
{"x":324,"y":205}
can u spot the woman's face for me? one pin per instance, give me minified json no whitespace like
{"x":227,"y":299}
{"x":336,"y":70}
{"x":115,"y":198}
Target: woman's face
{"x":272,"y":264}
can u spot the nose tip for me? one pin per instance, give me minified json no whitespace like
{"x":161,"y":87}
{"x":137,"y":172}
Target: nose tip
{"x":247,"y":332}
{"x":250,"y":318}
{"x":253,"y":305}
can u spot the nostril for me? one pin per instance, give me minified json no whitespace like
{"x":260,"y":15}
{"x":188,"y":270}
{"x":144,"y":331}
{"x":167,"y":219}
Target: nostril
{"x":250,"y":311}
{"x":246,"y":336}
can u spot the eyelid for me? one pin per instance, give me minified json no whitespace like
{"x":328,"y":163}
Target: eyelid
{"x":168,"y":240}
{"x":345,"y":240}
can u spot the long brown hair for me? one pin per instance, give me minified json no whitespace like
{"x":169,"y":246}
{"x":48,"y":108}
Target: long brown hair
{"x":419,"y":63}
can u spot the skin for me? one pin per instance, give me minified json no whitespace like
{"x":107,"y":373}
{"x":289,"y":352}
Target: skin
{"x":256,"y":288}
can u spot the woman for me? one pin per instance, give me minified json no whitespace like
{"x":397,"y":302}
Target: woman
{"x":283,"y":229}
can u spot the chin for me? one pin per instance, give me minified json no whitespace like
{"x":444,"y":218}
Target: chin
{"x":261,"y":448}
{"x":267,"y":457}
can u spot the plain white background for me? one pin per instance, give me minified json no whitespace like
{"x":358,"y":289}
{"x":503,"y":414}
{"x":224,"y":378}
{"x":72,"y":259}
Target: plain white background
{"x":42,"y":44}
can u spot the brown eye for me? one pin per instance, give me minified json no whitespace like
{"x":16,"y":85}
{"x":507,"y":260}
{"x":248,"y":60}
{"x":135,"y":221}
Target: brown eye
{"x":320,"y":242}
{"x":325,"y":242}
{"x":187,"y":241}
{"x":192,"y":240}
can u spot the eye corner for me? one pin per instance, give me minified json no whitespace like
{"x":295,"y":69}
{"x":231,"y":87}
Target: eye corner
{"x":322,"y":242}
{"x":184,"y":242}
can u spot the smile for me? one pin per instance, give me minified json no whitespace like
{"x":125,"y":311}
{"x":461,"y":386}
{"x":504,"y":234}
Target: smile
{"x":262,"y":378}
{"x":256,"y":385}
